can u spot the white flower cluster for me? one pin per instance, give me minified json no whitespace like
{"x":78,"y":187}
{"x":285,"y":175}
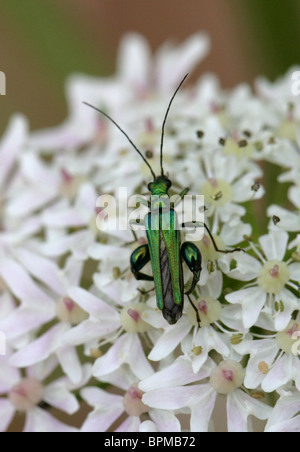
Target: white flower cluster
{"x":77,"y":326}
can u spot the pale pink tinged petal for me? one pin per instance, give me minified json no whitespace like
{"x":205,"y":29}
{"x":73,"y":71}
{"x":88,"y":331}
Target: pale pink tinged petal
{"x":7,"y":305}
{"x":87,"y":331}
{"x":173,"y":398}
{"x":296,"y":372}
{"x":240,"y":406}
{"x":173,"y":64}
{"x":21,"y":285}
{"x":24,"y":320}
{"x":69,"y":217}
{"x":246,"y":268}
{"x":165,"y":421}
{"x":42,"y":269}
{"x":280,"y":374}
{"x":66,"y":136}
{"x":7,"y":412}
{"x":97,"y":397}
{"x":201,"y":411}
{"x":169,"y":340}
{"x":42,"y":370}
{"x":178,"y":373}
{"x":86,"y":378}
{"x":29,"y":201}
{"x":11,"y":144}
{"x":148,"y":426}
{"x":37,"y":172}
{"x":86,"y":200}
{"x":136,"y":358}
{"x":111,"y":290}
{"x":9,"y":375}
{"x":72,"y":242}
{"x":283,"y":417}
{"x":29,"y":227}
{"x":56,"y":395}
{"x":131,"y":424}
{"x":274,"y":244}
{"x":101,"y":419}
{"x":289,"y":426}
{"x":104,"y":252}
{"x":93,"y":305}
{"x":39,"y":421}
{"x":113,"y":359}
{"x":70,"y":363}
{"x":294,"y":271}
{"x":134,"y":60}
{"x":40,"y":349}
{"x":73,"y":272}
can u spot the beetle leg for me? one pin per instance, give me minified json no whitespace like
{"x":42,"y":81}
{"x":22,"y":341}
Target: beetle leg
{"x":198,"y":224}
{"x":139,"y":258}
{"x":136,"y":223}
{"x":192,"y":257}
{"x":181,"y":196}
{"x":195,"y":309}
{"x":143,"y":201}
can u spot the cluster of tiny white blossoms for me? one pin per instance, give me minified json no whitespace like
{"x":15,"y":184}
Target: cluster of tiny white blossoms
{"x":79,"y":329}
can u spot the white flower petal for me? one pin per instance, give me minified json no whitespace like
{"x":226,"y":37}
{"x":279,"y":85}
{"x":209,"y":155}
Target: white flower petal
{"x":40,"y":349}
{"x":201,"y":411}
{"x":39,"y":421}
{"x":87,"y":331}
{"x":280,"y":374}
{"x":178,"y":373}
{"x":148,"y":426}
{"x":11,"y":144}
{"x":42,"y":269}
{"x":131,"y":424}
{"x":294,"y":272}
{"x":252,"y":301}
{"x":59,"y":397}
{"x":127,"y":349}
{"x":20,"y":283}
{"x":169,"y":340}
{"x":246,"y":268}
{"x":7,"y":412}
{"x":172,"y":398}
{"x":240,"y":406}
{"x":70,"y":363}
{"x":93,"y":305}
{"x":274,"y":244}
{"x":165,"y":421}
{"x":173,"y":64}
{"x":9,"y":375}
{"x":283,"y":417}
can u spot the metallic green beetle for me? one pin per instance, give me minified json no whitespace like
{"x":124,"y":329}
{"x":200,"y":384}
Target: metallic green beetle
{"x":164,"y":249}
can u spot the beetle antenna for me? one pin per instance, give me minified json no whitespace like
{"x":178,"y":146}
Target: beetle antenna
{"x":164,"y":122}
{"x":124,"y":133}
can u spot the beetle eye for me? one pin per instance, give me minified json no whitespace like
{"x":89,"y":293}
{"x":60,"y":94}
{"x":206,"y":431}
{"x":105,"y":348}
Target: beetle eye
{"x":168,"y":183}
{"x":150,"y":186}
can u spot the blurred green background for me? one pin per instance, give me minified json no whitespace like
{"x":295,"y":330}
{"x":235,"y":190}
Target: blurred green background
{"x":42,"y":41}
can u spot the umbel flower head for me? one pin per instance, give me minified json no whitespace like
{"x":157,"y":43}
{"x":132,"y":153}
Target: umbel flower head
{"x":77,"y":326}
